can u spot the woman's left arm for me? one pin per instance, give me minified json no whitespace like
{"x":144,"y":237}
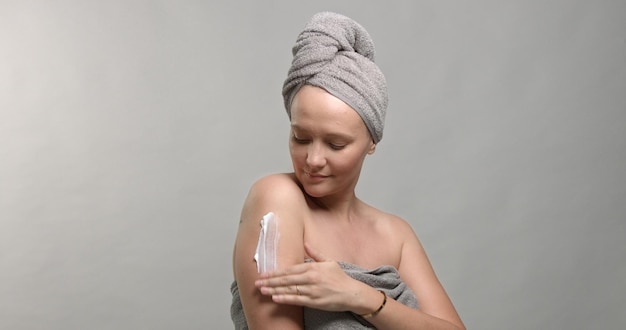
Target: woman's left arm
{"x":435,"y":311}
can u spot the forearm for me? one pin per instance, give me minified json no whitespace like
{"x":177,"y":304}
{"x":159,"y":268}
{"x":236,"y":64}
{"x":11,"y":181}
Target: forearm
{"x":394,"y":315}
{"x":398,"y":316}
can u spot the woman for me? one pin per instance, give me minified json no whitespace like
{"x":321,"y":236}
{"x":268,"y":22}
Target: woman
{"x":338,"y":263}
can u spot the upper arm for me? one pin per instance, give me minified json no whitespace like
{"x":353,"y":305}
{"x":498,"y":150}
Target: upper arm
{"x":280,"y":195}
{"x":417,"y":272}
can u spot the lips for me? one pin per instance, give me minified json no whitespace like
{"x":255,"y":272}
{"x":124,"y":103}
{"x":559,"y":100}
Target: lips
{"x":316,"y":176}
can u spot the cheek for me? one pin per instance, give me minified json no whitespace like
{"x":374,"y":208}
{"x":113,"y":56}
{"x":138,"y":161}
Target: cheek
{"x":347,"y":163}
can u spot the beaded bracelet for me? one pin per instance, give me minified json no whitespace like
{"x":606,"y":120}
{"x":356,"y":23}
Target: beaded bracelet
{"x":374,"y":313}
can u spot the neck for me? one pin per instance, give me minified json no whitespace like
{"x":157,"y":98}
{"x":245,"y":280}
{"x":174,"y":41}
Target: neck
{"x":341,"y":207}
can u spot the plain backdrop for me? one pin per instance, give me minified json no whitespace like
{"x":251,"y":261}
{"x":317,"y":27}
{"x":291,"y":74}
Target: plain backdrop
{"x":130,"y":132}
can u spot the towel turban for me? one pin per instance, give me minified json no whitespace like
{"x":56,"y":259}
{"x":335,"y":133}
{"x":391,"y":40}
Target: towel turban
{"x":336,"y":53}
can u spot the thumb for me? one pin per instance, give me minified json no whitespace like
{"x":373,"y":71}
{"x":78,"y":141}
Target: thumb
{"x":314,"y":254}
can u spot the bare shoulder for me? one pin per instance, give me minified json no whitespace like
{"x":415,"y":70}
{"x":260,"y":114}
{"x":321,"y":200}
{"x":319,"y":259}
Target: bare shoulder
{"x":401,"y":234}
{"x":273,"y":193}
{"x":392,"y":234}
{"x":279,"y":194}
{"x":394,"y":225}
{"x":280,"y":185}
{"x":400,"y":225}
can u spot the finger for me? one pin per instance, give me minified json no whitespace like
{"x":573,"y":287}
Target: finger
{"x":291,"y":299}
{"x":314,"y":254}
{"x":292,"y":270}
{"x":293,"y":290}
{"x":300,"y":297}
{"x":281,"y":281}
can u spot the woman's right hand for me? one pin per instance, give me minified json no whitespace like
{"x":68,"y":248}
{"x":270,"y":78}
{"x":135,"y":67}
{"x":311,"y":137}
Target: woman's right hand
{"x":321,"y":285}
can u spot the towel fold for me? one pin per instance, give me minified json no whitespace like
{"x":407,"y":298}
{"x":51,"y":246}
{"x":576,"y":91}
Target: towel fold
{"x":336,"y":53}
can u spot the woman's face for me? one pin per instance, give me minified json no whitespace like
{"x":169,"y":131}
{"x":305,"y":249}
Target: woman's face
{"x":328,"y":143}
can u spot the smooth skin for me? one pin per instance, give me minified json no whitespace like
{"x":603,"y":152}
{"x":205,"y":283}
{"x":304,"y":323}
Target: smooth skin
{"x":320,"y":217}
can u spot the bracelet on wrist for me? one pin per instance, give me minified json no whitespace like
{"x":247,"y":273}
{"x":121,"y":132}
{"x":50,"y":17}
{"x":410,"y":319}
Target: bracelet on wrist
{"x":374,"y":313}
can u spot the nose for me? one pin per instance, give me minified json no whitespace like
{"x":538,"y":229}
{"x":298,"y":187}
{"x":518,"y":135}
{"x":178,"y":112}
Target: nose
{"x":315,"y":158}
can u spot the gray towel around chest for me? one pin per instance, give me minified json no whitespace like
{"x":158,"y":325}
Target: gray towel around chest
{"x":384,"y":278}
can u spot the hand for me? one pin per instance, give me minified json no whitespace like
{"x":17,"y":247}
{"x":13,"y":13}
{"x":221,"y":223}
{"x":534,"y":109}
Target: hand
{"x":321,"y":284}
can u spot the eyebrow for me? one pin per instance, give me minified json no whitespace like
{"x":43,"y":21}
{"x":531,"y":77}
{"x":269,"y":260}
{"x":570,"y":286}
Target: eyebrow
{"x":330,"y":135}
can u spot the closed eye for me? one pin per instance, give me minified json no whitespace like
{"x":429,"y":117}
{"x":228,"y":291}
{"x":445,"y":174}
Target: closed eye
{"x":299,"y":141}
{"x":336,"y":146}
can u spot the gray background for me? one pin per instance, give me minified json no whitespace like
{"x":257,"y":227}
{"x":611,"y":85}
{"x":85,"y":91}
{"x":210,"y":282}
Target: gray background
{"x":130,"y":132}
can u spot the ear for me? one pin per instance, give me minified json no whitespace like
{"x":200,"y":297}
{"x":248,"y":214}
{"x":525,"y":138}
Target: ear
{"x":372,"y":148}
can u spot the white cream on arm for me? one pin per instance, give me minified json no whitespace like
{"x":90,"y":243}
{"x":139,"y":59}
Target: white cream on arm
{"x":265,"y":255}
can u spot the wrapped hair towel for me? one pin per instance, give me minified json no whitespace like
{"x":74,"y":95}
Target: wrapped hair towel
{"x":336,"y":53}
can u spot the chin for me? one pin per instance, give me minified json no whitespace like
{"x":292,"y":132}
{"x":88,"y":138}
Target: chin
{"x":315,"y":190}
{"x":310,"y":190}
{"x":314,"y":193}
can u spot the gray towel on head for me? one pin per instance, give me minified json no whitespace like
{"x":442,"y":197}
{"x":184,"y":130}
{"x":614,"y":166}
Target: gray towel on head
{"x":335,"y":53}
{"x":384,"y":278}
